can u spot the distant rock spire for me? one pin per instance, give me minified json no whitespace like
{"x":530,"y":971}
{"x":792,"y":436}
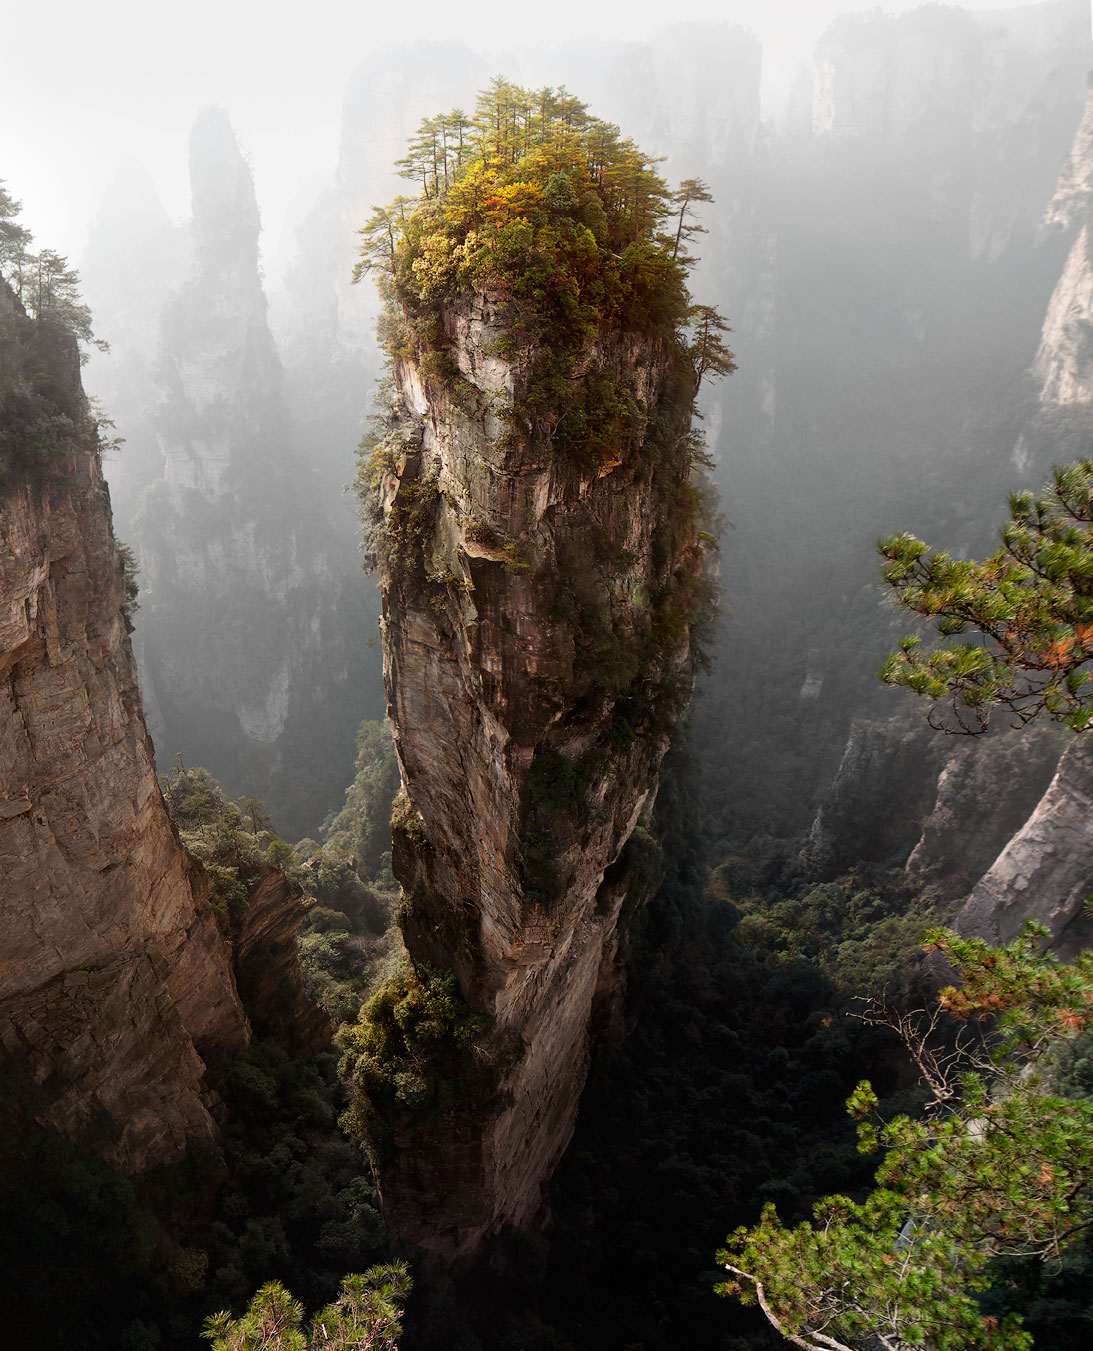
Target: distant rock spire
{"x":225,"y":209}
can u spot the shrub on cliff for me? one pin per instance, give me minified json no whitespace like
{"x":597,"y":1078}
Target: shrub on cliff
{"x":413,"y":1049}
{"x":46,"y":286}
{"x":43,"y":414}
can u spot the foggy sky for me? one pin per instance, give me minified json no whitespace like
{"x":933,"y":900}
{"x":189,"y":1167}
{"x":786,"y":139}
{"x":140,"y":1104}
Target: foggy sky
{"x":84,"y":87}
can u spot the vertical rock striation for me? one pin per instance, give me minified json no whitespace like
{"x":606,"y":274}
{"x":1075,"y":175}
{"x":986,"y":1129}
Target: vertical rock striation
{"x":538,"y":652}
{"x":114,"y":981}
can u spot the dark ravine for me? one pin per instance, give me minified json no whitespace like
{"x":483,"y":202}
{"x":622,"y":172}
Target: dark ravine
{"x":536,"y":656}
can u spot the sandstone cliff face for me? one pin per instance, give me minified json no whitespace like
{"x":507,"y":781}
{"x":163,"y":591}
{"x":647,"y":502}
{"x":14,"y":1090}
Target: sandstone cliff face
{"x":536,"y":653}
{"x":114,"y":982}
{"x":1064,"y":363}
{"x":985,"y":793}
{"x":266,"y":962}
{"x":1045,"y":870}
{"x":946,"y":805}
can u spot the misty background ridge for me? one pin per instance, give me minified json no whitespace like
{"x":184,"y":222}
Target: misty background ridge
{"x":878,"y":247}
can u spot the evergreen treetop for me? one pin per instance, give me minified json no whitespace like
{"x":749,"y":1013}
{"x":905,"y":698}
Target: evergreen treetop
{"x":46,"y":286}
{"x":1028,"y":609}
{"x":535,"y":199}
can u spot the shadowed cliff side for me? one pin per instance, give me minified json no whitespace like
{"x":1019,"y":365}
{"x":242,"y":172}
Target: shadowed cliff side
{"x":1045,"y":870}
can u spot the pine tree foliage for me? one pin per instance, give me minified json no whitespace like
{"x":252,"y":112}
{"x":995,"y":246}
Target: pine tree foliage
{"x":999,"y":1166}
{"x":46,"y":286}
{"x":1028,"y":607}
{"x":366,"y":1316}
{"x":534,"y":198}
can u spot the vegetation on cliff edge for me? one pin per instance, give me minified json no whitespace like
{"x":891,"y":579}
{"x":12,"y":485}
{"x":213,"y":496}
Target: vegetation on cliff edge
{"x":568,"y":226}
{"x":1002,"y":1164}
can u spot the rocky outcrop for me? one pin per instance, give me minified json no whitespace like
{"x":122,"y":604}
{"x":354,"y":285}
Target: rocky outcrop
{"x":1045,"y":873}
{"x":985,"y":792}
{"x":1064,"y":363}
{"x":537,"y":653}
{"x":266,"y":961}
{"x":253,"y":624}
{"x":943,"y":806}
{"x":115,"y":984}
{"x":873,"y":808}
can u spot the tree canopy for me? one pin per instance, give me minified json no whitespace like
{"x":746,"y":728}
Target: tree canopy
{"x":366,"y":1316}
{"x":46,"y":286}
{"x":535,"y":199}
{"x":999,"y":1166}
{"x":1028,"y":609}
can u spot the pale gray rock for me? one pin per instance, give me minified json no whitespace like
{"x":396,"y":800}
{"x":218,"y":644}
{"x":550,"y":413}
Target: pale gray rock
{"x":1045,"y":873}
{"x":1064,"y":362}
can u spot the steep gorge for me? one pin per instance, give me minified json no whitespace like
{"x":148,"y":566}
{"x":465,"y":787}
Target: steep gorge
{"x":252,"y":638}
{"x":1044,"y":870}
{"x":121,"y":998}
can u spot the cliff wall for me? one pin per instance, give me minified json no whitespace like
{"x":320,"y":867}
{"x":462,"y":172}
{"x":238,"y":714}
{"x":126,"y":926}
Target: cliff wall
{"x":114,"y":981}
{"x":1044,"y":872}
{"x":537,"y":653}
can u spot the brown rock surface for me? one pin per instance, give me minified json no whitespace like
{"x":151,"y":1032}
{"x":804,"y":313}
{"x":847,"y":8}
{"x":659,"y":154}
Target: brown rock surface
{"x":537,"y":655}
{"x":114,"y":981}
